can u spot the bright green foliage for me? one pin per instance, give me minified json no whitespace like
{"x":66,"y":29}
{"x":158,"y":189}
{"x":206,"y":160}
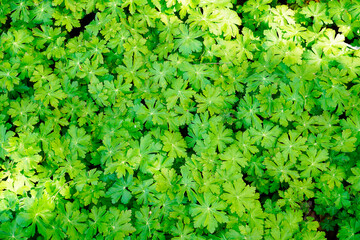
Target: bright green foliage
{"x":292,"y":144}
{"x":208,"y":212}
{"x":73,"y":221}
{"x":313,"y":162}
{"x":186,"y":40}
{"x":174,"y":144}
{"x":239,"y":196}
{"x":179,"y":119}
{"x":281,"y":169}
{"x":38,"y":214}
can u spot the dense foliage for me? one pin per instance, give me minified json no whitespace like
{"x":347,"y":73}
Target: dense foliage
{"x":179,"y":119}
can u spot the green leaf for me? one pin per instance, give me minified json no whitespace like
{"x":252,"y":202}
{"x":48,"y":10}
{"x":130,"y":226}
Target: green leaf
{"x":314,"y":162}
{"x":249,"y":111}
{"x":11,"y":230}
{"x":178,"y":92}
{"x":73,"y":221}
{"x":209,"y":212}
{"x":119,"y":190}
{"x":331,"y":44}
{"x":226,"y":22}
{"x":147,"y":221}
{"x":50,"y":93}
{"x":133,"y":4}
{"x":182,"y":231}
{"x":9,"y":75}
{"x":345,"y":143}
{"x":38,"y":214}
{"x":79,"y":141}
{"x":186,"y":40}
{"x":220,"y":136}
{"x":239,"y":196}
{"x":4,"y":138}
{"x":66,"y":19}
{"x":119,"y":223}
{"x":319,"y":13}
{"x":211,"y":100}
{"x":355,"y":179}
{"x":281,"y":168}
{"x":266,"y":135}
{"x":292,"y":144}
{"x":174,"y":144}
{"x":349,"y":229}
{"x":98,"y":219}
{"x":233,"y":159}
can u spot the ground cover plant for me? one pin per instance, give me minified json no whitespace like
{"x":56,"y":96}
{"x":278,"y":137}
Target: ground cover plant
{"x":179,"y":119}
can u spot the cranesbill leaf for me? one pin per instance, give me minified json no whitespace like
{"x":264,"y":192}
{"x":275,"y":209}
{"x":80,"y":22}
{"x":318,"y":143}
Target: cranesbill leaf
{"x":4,"y":138}
{"x":239,"y":196}
{"x":292,"y":144}
{"x":281,"y":168}
{"x":186,"y":40}
{"x":233,"y":158}
{"x":174,"y":144}
{"x":355,"y":179}
{"x":38,"y":213}
{"x":120,"y":224}
{"x":118,"y":191}
{"x":73,"y":221}
{"x":79,"y":141}
{"x":313,"y":163}
{"x":209,"y":212}
{"x":345,"y":143}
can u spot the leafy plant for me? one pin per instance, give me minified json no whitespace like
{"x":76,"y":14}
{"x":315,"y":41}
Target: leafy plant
{"x":179,"y":119}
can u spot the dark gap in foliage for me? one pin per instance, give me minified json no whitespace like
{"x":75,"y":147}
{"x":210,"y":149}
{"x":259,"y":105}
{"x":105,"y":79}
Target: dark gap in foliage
{"x":265,"y":196}
{"x":29,"y":84}
{"x":67,"y":177}
{"x":336,"y":28}
{"x":88,"y":18}
{"x":184,"y":131}
{"x":342,"y":116}
{"x":239,"y":95}
{"x":345,"y":184}
{"x":311,"y":213}
{"x":261,"y":118}
{"x":13,"y":127}
{"x":191,"y":152}
{"x":240,"y":30}
{"x":290,"y":125}
{"x":201,"y":10}
{"x":245,"y":176}
{"x":350,"y":84}
{"x":284,"y":186}
{"x":178,"y":163}
{"x":52,"y":66}
{"x":154,"y":35}
{"x":168,"y":236}
{"x":348,"y":41}
{"x":282,"y":2}
{"x":64,"y":130}
{"x":240,"y":2}
{"x":6,"y":26}
{"x":92,"y":164}
{"x":316,"y":111}
{"x":177,"y":14}
{"x":331,"y":235}
{"x":88,"y":207}
{"x":136,"y":173}
{"x":35,"y":237}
